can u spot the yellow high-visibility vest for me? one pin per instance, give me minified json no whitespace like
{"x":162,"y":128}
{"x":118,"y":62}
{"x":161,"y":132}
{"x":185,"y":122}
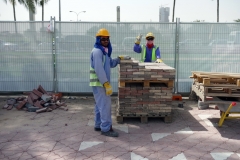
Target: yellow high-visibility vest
{"x":143,"y":53}
{"x":94,"y":81}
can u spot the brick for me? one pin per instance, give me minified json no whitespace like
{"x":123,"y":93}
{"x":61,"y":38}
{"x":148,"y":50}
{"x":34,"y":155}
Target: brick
{"x":58,"y":95}
{"x":40,"y":89}
{"x":126,"y":73}
{"x":38,"y":104}
{"x":53,"y":106}
{"x":29,"y":99}
{"x":34,"y":97}
{"x":32,"y":109}
{"x":123,"y":76}
{"x":41,"y":110}
{"x":45,"y":104}
{"x":20,"y":98}
{"x":21,"y":105}
{"x":11,"y":101}
{"x":123,"y":69}
{"x":58,"y":103}
{"x":49,"y":110}
{"x":27,"y":105}
{"x":39,"y":94}
{"x":63,"y":108}
{"x":5,"y":106}
{"x":132,"y":70}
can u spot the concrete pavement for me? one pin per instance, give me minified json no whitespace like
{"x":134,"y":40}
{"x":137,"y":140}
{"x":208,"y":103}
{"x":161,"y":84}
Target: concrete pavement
{"x":69,"y":135}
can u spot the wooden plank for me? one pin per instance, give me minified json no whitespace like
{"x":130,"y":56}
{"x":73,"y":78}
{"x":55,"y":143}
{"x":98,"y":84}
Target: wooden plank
{"x":215,"y":73}
{"x":223,"y":95}
{"x":231,"y":80}
{"x":144,"y":119}
{"x":170,"y":83}
{"x":238,"y":82}
{"x":147,"y":83}
{"x":119,"y":119}
{"x":220,"y":85}
{"x":122,"y":84}
{"x":206,"y":81}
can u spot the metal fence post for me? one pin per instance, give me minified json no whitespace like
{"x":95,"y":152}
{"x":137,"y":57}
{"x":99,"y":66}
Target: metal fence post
{"x":176,"y":58}
{"x":52,"y":21}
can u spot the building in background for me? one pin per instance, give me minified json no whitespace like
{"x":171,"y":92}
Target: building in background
{"x":164,"y":14}
{"x":118,"y":13}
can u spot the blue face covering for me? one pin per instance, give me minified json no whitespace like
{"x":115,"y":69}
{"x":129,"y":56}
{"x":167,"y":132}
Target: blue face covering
{"x":99,"y":46}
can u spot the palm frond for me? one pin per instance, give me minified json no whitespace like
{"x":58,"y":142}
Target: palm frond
{"x":13,"y":2}
{"x":41,"y":2}
{"x":29,"y":4}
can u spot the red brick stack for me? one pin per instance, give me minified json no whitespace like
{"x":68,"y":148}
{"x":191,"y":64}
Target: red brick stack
{"x":145,"y":89}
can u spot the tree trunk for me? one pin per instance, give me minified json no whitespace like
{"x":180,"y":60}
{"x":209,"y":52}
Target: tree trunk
{"x":217,"y":10}
{"x":14,"y":14}
{"x":173,"y":10}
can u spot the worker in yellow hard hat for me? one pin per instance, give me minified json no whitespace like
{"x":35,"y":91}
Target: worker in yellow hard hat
{"x":101,"y":63}
{"x":149,"y":51}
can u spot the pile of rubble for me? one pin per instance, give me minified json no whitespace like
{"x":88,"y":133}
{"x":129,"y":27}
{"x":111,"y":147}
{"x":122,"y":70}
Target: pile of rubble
{"x":37,"y":101}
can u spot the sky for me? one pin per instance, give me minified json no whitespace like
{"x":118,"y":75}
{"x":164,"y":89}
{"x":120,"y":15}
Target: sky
{"x":130,"y":10}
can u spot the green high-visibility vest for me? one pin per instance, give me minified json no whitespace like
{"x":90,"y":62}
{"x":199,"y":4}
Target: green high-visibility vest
{"x":143,"y":53}
{"x":94,"y":81}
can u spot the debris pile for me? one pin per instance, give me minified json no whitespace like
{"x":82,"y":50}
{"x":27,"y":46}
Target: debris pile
{"x":38,"y":101}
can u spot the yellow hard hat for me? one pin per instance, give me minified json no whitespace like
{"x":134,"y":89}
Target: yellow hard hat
{"x":102,"y":32}
{"x":150,"y":34}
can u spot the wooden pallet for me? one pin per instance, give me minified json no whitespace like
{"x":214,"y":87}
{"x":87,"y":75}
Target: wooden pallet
{"x":144,"y":117}
{"x":147,"y":83}
{"x":216,"y":91}
{"x":213,"y":78}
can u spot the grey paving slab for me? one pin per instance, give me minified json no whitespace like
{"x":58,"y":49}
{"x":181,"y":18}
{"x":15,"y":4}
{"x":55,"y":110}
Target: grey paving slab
{"x":59,"y":134}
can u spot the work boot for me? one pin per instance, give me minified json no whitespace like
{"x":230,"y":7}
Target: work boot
{"x":97,"y":129}
{"x":110,"y":133}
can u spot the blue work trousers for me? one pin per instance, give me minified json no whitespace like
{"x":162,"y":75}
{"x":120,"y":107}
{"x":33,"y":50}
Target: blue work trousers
{"x":103,"y":117}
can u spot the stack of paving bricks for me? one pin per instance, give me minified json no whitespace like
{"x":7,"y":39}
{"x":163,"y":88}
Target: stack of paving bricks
{"x":37,"y":101}
{"x":145,"y":90}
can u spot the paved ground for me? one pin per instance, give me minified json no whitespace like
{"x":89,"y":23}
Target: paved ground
{"x":69,"y":135}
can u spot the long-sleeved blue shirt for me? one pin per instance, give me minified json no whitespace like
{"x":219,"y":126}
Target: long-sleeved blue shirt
{"x":103,"y":71}
{"x":138,"y":49}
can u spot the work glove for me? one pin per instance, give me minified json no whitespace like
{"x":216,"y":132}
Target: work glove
{"x":158,"y":61}
{"x":108,"y":88}
{"x":124,"y":57}
{"x":138,"y":39}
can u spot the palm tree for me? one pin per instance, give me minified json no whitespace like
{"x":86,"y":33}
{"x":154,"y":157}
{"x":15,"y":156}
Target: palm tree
{"x":41,"y":3}
{"x":13,"y":2}
{"x":173,"y":10}
{"x":237,"y":20}
{"x":29,"y":4}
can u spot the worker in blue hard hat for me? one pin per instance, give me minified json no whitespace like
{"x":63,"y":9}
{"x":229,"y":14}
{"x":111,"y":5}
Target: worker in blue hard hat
{"x":101,"y":63}
{"x":149,"y":51}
